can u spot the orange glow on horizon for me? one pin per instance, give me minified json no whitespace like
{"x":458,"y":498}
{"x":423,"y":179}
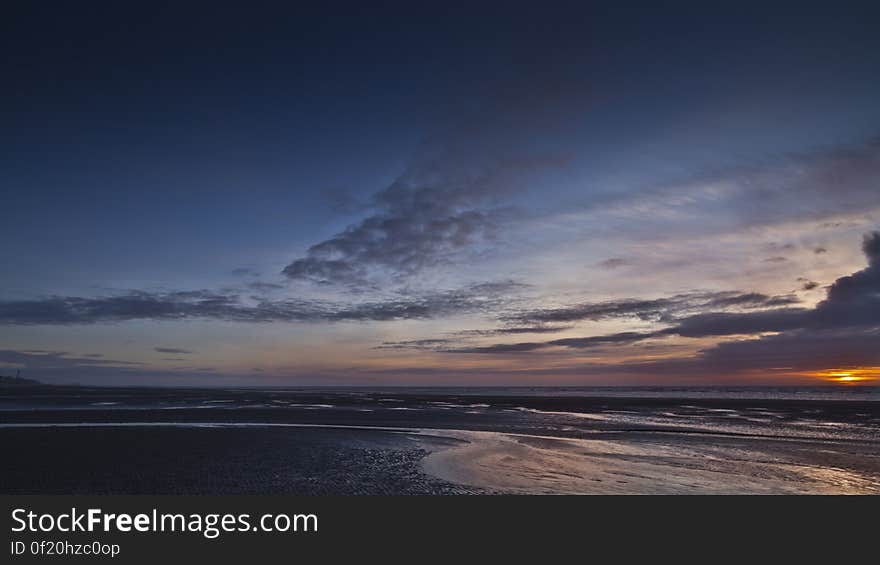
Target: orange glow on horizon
{"x":849,"y":375}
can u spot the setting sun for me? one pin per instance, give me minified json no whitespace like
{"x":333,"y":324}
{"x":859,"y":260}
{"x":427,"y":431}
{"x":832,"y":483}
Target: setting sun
{"x":853,"y":375}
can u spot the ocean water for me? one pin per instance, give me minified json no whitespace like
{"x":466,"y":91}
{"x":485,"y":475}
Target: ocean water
{"x":845,"y":412}
{"x":14,"y":398}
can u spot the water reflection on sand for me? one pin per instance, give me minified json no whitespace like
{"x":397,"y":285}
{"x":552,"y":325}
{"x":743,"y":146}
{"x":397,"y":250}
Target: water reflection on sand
{"x":528,"y":464}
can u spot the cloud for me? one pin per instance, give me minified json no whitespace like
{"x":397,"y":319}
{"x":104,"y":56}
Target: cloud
{"x":513,"y":330}
{"x":464,"y":336}
{"x":442,"y":205}
{"x":401,"y":245}
{"x":807,"y":284}
{"x":612,"y":339}
{"x":654,"y":309}
{"x":793,"y":352}
{"x":871,"y":248}
{"x":747,"y":300}
{"x":739,"y":323}
{"x":502,"y":348}
{"x":205,"y":304}
{"x":674,"y":308}
{"x":429,"y":344}
{"x":823,"y":183}
{"x":41,"y":359}
{"x":818,"y":187}
{"x":854,"y":300}
{"x":798,"y":350}
{"x":573,"y":343}
{"x":59,"y":310}
{"x":173,"y":350}
{"x":614,"y":263}
{"x":842,"y":330}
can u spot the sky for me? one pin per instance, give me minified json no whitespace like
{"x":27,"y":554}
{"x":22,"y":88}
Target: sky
{"x":552,"y":193}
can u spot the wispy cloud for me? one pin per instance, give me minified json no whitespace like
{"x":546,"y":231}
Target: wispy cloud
{"x":655,"y":309}
{"x":423,"y":344}
{"x":43,"y":359}
{"x":173,"y":350}
{"x":843,"y":329}
{"x":574,"y":343}
{"x":809,"y":185}
{"x":205,"y":304}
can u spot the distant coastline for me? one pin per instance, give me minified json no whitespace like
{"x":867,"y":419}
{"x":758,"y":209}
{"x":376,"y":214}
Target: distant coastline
{"x":18,"y":381}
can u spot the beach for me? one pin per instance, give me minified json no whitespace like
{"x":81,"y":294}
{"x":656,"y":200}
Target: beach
{"x":82,"y":440}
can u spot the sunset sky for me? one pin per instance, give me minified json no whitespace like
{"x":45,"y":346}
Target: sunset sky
{"x":441,"y":193}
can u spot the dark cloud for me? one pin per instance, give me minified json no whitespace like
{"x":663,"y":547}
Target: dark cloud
{"x":807,"y":284}
{"x":612,"y":339}
{"x":130,"y":306}
{"x":515,"y":330}
{"x":842,"y":330}
{"x":413,"y":344}
{"x":655,"y":309}
{"x":502,"y":348}
{"x":871,"y":248}
{"x":600,"y":310}
{"x":669,"y":309}
{"x":741,"y":323}
{"x":798,"y":350}
{"x":204,"y":304}
{"x":440,"y":206}
{"x":776,"y":259}
{"x":464,"y":336}
{"x":820,"y":250}
{"x":854,"y":300}
{"x":748,"y":300}
{"x":173,"y":350}
{"x":573,"y":343}
{"x":788,"y":352}
{"x":531,"y":330}
{"x":613,"y":263}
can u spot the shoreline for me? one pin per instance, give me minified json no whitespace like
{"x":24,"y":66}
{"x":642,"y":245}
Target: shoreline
{"x":234,"y":442}
{"x":514,"y":463}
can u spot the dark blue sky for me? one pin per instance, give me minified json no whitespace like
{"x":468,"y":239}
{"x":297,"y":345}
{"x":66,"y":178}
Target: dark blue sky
{"x":269,"y":185}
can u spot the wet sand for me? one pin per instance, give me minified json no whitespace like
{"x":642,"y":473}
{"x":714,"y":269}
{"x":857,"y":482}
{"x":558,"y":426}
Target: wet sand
{"x":217,"y":460}
{"x":695,"y":465}
{"x":161,"y":441}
